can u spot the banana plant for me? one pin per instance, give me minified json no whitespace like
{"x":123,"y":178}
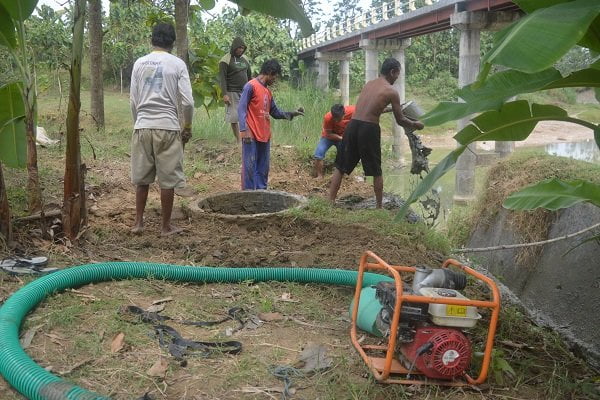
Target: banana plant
{"x":74,"y":214}
{"x":17,"y":108}
{"x":529,"y":48}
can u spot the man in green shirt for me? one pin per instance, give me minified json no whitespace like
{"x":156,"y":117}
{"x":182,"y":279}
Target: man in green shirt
{"x":234,"y":72}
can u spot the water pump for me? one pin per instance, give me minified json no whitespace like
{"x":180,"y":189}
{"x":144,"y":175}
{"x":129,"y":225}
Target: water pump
{"x":425,"y":324}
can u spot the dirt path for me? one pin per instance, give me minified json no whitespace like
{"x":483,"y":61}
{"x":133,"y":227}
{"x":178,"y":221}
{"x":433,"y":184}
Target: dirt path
{"x":545,"y":132}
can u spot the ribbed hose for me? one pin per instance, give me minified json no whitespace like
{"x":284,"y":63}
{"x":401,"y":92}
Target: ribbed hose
{"x":36,"y":383}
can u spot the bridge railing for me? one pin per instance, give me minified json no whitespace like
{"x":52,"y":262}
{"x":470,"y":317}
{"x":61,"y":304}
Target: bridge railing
{"x":371,"y":17}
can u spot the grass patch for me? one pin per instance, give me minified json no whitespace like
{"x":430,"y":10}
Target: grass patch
{"x":379,"y":220}
{"x":514,"y":173}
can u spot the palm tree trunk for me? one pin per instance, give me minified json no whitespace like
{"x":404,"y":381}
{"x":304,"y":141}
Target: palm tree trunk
{"x":74,"y":210}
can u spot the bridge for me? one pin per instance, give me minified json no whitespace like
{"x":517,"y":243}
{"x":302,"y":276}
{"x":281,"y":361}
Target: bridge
{"x":390,"y":28}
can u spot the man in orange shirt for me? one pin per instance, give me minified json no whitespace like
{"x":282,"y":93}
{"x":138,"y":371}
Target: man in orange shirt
{"x":255,"y":109}
{"x":334,"y":123}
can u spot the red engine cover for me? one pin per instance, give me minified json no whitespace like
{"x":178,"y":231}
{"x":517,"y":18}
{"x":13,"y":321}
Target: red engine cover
{"x":448,"y":357}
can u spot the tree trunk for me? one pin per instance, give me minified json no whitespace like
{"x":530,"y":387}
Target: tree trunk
{"x":96,"y":71}
{"x":182,"y":8}
{"x":5,"y":225}
{"x":34,"y":192}
{"x":74,"y":211}
{"x":60,"y":93}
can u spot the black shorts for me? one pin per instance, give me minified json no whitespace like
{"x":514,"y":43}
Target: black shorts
{"x":362,"y":141}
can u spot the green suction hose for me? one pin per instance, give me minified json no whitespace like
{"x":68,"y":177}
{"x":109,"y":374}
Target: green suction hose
{"x":35,"y":383}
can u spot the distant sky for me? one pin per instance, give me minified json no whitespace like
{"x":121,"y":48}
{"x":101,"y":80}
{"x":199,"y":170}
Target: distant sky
{"x":326,"y":5}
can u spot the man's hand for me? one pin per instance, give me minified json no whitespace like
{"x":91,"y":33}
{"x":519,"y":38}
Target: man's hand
{"x":299,"y":111}
{"x":246,"y":137}
{"x":226,"y":100}
{"x":186,"y":134}
{"x":418,"y":125}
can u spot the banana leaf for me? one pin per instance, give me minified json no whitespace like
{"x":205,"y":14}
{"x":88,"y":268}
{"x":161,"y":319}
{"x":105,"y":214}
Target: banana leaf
{"x":13,"y":142}
{"x":207,"y":4}
{"x":513,"y":122}
{"x":554,"y":194}
{"x":7,"y":29}
{"x":503,"y":85}
{"x":288,"y":9}
{"x":530,"y":6}
{"x":491,"y":95}
{"x":590,"y":40}
{"x":19,"y":10}
{"x":540,"y":39}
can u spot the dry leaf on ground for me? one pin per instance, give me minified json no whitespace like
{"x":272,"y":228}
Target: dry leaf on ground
{"x":159,"y":369}
{"x":270,"y":316}
{"x":117,"y":343}
{"x":28,"y":336}
{"x":162,"y":300}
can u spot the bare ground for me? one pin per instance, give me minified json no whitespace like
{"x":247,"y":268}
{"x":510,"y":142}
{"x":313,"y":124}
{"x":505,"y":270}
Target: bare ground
{"x":74,"y":330}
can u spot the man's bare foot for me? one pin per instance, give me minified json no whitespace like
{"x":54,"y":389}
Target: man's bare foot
{"x":138,"y":229}
{"x":172,"y":230}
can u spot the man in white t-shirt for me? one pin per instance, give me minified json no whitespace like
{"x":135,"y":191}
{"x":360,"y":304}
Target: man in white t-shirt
{"x":157,"y":143}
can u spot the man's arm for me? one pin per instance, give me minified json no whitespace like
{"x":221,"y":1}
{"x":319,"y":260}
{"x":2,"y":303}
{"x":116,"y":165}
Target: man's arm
{"x":223,"y":80}
{"x":328,"y":126}
{"x":245,"y":97}
{"x":187,"y":102}
{"x":333,"y":136}
{"x":401,"y":119}
{"x":249,"y":70}
{"x":276,"y":113}
{"x":133,"y":93}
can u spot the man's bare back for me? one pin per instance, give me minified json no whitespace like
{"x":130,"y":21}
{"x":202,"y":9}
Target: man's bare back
{"x":374,"y":98}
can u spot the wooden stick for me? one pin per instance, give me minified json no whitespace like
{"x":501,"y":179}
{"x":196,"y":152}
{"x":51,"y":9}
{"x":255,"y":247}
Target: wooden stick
{"x":516,"y":246}
{"x":49,"y":214}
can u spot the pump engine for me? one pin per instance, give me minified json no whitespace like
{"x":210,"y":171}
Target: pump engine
{"x":429,"y":336}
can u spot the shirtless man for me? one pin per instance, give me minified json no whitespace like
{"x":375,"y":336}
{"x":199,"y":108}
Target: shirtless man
{"x":362,"y":137}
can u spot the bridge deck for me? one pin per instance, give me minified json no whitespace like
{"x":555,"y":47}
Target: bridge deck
{"x":428,"y":19}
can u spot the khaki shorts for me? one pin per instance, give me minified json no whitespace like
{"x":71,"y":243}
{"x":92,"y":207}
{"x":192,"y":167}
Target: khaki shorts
{"x":157,"y":153}
{"x":231,"y":113}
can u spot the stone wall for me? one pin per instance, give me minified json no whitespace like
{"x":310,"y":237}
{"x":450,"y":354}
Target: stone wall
{"x":561,"y":288}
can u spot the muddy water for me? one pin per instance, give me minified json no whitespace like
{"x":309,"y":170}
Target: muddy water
{"x":400,"y":182}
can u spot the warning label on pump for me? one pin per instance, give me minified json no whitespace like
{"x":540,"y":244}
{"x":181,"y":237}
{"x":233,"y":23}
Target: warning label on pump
{"x":456,"y":311}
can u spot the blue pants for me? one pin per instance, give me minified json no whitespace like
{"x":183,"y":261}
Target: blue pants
{"x":255,"y":164}
{"x":324,"y":145}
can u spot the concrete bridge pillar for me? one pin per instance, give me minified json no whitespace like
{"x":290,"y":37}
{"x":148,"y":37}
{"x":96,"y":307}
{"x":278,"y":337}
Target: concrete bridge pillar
{"x":505,"y":148}
{"x":323,"y":59}
{"x":345,"y":80}
{"x":400,"y":85}
{"x":322,"y":74}
{"x":371,"y":63}
{"x":470,"y":24}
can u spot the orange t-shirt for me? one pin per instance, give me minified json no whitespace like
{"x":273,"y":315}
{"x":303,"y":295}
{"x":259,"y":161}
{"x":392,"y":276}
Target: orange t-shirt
{"x":337,"y":128}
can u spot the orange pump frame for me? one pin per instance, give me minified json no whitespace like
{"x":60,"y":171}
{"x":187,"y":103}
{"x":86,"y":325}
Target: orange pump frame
{"x":386,"y":370}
